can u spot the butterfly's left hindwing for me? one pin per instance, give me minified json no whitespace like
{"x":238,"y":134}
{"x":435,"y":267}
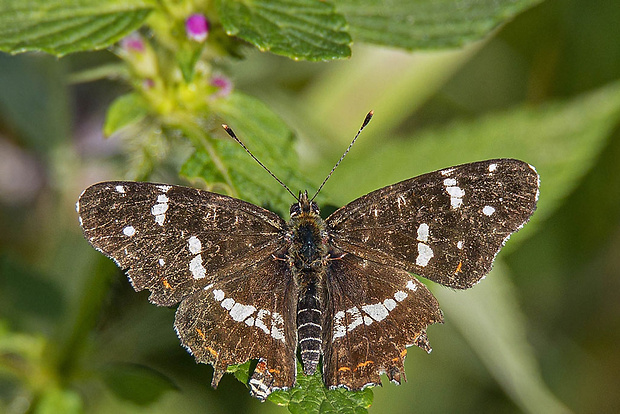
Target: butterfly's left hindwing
{"x":248,"y":315}
{"x":175,"y":240}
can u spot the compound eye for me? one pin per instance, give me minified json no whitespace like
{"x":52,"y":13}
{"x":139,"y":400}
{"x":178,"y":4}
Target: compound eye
{"x":295,"y":210}
{"x":314,"y":207}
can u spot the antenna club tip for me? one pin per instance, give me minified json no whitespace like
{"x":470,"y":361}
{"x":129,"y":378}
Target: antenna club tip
{"x":229,"y":131}
{"x":367,"y":119}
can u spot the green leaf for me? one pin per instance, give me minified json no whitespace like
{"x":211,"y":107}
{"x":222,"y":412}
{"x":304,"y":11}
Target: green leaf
{"x":299,"y":29}
{"x":426,"y":24}
{"x":34,"y":101}
{"x":135,"y":383}
{"x":241,"y":371}
{"x":271,"y":141}
{"x":311,"y":396}
{"x":125,"y":110}
{"x":55,"y":400}
{"x":60,"y":27}
{"x":562,"y":140}
{"x":490,"y":320}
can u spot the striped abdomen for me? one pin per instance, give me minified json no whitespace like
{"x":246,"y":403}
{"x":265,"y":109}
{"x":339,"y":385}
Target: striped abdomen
{"x":309,"y":330}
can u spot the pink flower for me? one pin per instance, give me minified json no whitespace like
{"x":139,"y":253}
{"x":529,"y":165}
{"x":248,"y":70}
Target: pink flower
{"x":197,"y":27}
{"x":133,"y":43}
{"x":223,"y":84}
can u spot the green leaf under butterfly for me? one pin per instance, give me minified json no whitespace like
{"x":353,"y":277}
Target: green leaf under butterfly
{"x":311,"y":396}
{"x":271,"y":141}
{"x":60,"y":27}
{"x":425,"y":24}
{"x":299,"y":29}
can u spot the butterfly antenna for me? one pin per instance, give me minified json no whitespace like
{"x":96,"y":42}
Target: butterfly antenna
{"x":366,"y":121}
{"x":233,"y":136}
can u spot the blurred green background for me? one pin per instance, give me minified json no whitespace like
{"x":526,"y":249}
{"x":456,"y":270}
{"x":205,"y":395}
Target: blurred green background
{"x":539,"y":334}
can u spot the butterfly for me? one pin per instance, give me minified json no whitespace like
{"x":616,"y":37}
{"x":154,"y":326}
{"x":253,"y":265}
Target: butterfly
{"x":250,"y":285}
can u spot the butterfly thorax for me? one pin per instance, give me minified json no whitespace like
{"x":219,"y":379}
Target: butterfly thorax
{"x":307,"y":255}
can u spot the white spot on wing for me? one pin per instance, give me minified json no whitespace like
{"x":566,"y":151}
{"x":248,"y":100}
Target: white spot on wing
{"x":339,"y":329}
{"x":259,"y":323}
{"x":120,"y":189}
{"x":456,"y":196}
{"x":376,"y":311}
{"x":423,"y":232}
{"x":425,"y":254}
{"x":488,"y":210}
{"x":492,"y":167}
{"x":390,"y":304}
{"x":412,"y":286}
{"x":164,"y":188}
{"x":158,"y":209}
{"x":367,"y":320}
{"x":356,"y":316}
{"x":194,"y":244}
{"x":277,"y":333}
{"x":129,"y":231}
{"x":228,"y":303}
{"x":447,"y":172}
{"x":218,"y":294}
{"x":455,"y":192}
{"x":240,"y":312}
{"x":459,"y":244}
{"x":400,"y":295}
{"x":196,"y":268}
{"x":162,"y":262}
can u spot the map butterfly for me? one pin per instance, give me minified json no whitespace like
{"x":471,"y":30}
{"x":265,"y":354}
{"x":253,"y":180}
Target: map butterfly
{"x":252,"y":286}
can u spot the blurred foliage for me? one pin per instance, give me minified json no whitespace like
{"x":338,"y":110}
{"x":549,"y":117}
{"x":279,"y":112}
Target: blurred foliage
{"x":540,"y":82}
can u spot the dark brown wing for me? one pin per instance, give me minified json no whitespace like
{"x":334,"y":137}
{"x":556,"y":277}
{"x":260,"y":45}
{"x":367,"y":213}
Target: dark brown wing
{"x":446,"y":226}
{"x":175,"y":240}
{"x":374,"y":313}
{"x":248,"y":315}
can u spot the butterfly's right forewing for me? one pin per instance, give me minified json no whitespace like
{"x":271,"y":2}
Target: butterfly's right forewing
{"x":446,"y":226}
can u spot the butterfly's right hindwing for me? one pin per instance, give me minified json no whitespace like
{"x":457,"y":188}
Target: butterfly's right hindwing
{"x":175,"y":240}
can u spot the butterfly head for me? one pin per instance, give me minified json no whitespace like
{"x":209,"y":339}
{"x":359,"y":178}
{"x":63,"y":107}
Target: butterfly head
{"x":304,"y":205}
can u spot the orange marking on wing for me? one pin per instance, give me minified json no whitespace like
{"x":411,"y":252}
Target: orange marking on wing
{"x":166,"y":284}
{"x":212,"y":351}
{"x":202,"y":335}
{"x":403,"y":353}
{"x":363,"y":364}
{"x":458,"y":268}
{"x":344,"y":369}
{"x":274,"y":371}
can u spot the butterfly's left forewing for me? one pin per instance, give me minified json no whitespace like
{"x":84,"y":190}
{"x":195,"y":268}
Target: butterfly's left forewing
{"x":174,"y":240}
